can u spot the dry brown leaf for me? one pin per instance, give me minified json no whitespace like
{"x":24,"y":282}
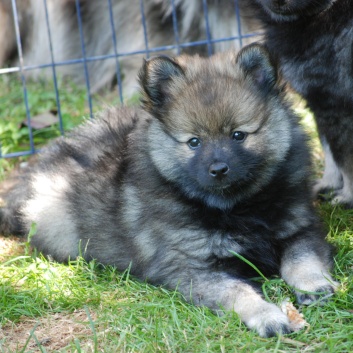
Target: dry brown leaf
{"x":42,"y":121}
{"x":296,"y":319}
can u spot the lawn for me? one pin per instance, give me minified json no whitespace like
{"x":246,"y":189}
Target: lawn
{"x":85,"y":307}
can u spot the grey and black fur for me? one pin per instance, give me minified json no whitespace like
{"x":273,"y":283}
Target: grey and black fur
{"x":215,"y":163}
{"x":314,"y":42}
{"x":97,"y":27}
{"x":97,"y":32}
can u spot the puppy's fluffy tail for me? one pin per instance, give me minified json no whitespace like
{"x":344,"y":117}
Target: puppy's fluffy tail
{"x":13,"y":194}
{"x":10,"y":223}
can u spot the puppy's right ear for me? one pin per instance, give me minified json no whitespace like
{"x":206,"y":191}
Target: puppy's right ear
{"x":258,"y":66}
{"x":156,"y":78}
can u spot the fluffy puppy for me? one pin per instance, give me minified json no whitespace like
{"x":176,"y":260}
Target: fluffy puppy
{"x":215,"y":164}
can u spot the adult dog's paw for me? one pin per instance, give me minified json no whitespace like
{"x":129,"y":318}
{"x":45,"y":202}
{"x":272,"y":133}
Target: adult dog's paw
{"x":344,"y":198}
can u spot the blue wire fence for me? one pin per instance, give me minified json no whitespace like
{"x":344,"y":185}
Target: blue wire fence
{"x":84,"y":60}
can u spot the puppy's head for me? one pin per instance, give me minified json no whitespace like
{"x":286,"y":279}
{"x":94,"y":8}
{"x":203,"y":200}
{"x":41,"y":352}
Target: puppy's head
{"x":220,"y":126}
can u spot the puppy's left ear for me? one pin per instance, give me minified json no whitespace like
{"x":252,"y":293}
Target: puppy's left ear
{"x":258,"y":65}
{"x":156,"y":78}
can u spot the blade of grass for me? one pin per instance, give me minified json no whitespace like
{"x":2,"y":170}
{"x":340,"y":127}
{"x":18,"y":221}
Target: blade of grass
{"x":249,"y":263}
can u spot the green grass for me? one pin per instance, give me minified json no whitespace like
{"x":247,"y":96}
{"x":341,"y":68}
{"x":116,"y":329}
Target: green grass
{"x":122,"y":314}
{"x":14,"y":134}
{"x":41,"y":97}
{"x":132,"y":316}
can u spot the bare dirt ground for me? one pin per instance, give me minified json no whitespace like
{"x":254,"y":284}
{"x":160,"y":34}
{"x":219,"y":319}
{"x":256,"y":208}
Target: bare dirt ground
{"x":9,"y":247}
{"x":53,"y":332}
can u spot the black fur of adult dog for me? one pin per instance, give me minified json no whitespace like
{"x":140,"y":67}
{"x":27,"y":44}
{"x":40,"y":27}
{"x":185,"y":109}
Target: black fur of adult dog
{"x":314,"y":43}
{"x":215,"y":163}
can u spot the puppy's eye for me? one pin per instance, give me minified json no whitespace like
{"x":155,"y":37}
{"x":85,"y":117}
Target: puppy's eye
{"x":239,"y":136}
{"x":194,"y":143}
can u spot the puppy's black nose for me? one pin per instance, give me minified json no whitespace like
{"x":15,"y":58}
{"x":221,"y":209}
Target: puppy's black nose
{"x":218,"y":169}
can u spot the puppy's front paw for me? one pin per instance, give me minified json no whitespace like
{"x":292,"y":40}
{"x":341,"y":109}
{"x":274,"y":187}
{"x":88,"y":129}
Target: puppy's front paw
{"x":320,"y":294}
{"x":309,"y":278}
{"x":269,"y":321}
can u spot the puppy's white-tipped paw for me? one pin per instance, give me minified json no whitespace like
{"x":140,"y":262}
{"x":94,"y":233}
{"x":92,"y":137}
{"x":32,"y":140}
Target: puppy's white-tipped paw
{"x":269,"y":321}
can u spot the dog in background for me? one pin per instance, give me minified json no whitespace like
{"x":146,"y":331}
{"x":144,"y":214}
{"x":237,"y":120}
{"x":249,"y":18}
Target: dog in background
{"x":97,"y":33}
{"x":221,"y":19}
{"x":215,"y":163}
{"x":8,"y":48}
{"x":313,"y":41}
